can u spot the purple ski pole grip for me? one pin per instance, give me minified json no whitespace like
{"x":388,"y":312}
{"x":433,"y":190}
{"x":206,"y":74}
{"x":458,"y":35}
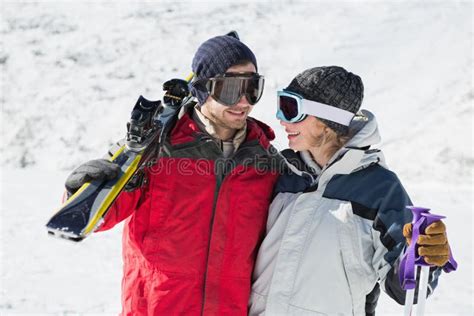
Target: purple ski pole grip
{"x":422,"y":218}
{"x":407,"y":265}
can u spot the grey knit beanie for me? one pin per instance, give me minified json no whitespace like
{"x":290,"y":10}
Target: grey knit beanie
{"x":215,"y":56}
{"x":333,"y":86}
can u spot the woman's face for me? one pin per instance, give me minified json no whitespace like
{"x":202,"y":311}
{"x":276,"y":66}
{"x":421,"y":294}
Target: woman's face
{"x":304,"y":135}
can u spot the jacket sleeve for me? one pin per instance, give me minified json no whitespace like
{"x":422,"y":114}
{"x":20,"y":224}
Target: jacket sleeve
{"x":123,"y":207}
{"x":125,"y":203}
{"x":390,"y":244}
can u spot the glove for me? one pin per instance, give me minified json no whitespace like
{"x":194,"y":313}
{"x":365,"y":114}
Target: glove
{"x":98,"y":169}
{"x":433,"y":246}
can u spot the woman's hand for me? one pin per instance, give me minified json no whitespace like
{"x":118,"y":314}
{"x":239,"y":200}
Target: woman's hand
{"x":433,"y":245}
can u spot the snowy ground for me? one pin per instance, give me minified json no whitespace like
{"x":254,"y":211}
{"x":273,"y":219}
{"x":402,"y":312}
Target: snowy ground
{"x":71,"y":72}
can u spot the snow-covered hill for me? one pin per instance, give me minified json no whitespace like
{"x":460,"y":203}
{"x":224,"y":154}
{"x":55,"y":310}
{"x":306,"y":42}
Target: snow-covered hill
{"x":71,"y":72}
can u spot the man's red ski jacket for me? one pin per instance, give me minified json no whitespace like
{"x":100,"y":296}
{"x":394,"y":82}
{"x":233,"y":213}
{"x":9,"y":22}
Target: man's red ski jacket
{"x":193,"y":229}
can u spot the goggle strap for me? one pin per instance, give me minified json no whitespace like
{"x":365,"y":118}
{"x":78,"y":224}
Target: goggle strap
{"x":326,"y":112}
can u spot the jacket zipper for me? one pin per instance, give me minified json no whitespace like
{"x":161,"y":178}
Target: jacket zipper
{"x":220,"y":176}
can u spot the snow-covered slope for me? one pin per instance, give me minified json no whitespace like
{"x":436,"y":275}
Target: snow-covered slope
{"x":70,"y":74}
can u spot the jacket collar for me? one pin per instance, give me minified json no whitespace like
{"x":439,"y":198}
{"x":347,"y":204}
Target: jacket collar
{"x":355,"y":155}
{"x":187,"y":129}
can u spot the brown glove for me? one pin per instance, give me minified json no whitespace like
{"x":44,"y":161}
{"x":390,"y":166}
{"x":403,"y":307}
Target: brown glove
{"x":433,"y":246}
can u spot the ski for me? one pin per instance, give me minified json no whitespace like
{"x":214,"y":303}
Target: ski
{"x":150,"y":122}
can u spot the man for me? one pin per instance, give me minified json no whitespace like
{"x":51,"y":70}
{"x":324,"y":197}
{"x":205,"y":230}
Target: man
{"x":193,"y":227}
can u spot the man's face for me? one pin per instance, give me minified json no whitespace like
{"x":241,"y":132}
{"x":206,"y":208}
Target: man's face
{"x":232,"y":117}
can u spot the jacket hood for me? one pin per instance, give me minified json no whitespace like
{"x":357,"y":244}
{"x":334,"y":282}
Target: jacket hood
{"x":355,"y":155}
{"x":261,"y":131}
{"x":364,"y":129}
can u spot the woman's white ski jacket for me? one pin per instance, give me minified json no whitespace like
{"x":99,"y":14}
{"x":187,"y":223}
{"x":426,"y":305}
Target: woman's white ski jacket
{"x":333,"y":234}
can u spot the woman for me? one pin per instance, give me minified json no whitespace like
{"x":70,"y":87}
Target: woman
{"x":335,"y":226}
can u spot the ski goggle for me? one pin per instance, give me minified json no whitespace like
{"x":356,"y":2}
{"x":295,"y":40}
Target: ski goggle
{"x":229,"y":88}
{"x":293,"y":108}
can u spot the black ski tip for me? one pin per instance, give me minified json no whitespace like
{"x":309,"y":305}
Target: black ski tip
{"x":234,"y":34}
{"x":146,"y":105}
{"x":62,"y":235}
{"x":177,"y":90}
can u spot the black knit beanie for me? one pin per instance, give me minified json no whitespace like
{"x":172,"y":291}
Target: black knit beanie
{"x":214,"y":57}
{"x":333,"y":86}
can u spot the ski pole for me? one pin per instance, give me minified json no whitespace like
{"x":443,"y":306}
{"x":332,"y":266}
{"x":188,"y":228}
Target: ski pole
{"x":422,"y":218}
